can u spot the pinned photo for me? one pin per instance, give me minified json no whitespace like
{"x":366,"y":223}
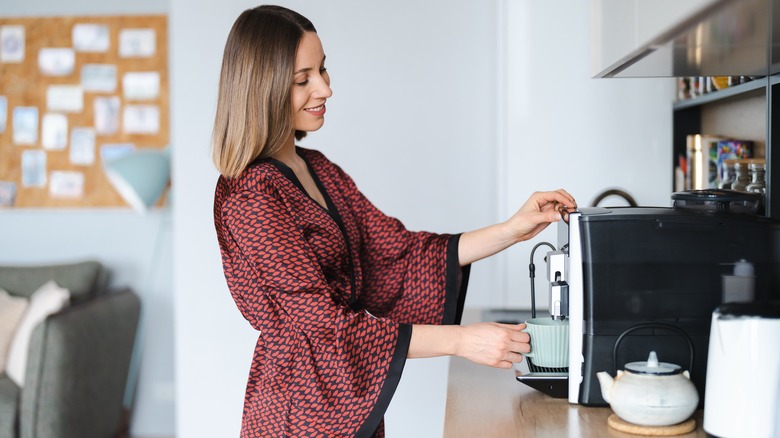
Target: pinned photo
{"x":82,"y":146}
{"x":65,"y":98}
{"x":25,"y":125}
{"x":34,"y":168}
{"x":137,"y":43}
{"x":66,"y":184}
{"x":56,"y":61}
{"x":91,"y":37}
{"x":99,"y":77}
{"x":141,"y":85}
{"x":54,"y":131}
{"x":141,"y":119}
{"x":3,"y":113}
{"x":7,"y":193}
{"x":11,"y":43}
{"x":106,"y":115}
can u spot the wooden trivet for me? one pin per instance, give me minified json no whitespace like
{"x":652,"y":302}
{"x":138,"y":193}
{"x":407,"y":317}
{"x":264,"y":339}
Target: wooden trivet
{"x":618,"y":423}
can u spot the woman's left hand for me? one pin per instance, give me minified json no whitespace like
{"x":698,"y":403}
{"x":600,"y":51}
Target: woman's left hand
{"x":541,"y":209}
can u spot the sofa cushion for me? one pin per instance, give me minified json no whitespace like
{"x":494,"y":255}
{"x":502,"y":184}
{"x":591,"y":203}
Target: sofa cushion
{"x":83,"y":279}
{"x":11,"y":312}
{"x":49,"y":299}
{"x":9,"y":407}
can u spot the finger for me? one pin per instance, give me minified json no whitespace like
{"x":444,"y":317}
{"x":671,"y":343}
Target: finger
{"x":514,"y":357}
{"x":521,"y":337}
{"x":511,"y":326}
{"x":560,"y":196}
{"x":520,"y":347}
{"x":503,"y":364}
{"x":565,"y":216}
{"x":569,"y":199}
{"x":544,"y":217}
{"x":573,"y":202}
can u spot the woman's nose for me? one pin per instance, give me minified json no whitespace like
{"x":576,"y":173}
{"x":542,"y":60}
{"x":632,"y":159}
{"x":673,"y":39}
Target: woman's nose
{"x":323,"y":90}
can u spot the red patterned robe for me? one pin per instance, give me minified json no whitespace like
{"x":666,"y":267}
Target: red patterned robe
{"x":333,"y":293}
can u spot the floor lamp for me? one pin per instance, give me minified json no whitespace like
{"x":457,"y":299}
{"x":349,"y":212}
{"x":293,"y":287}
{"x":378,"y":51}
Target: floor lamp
{"x":140,"y":178}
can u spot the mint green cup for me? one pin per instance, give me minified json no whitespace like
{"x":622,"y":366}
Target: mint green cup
{"x":549,"y":342}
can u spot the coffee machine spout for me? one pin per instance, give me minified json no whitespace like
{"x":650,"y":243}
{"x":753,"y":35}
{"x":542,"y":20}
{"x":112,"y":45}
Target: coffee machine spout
{"x":559,"y":289}
{"x":559,"y":300}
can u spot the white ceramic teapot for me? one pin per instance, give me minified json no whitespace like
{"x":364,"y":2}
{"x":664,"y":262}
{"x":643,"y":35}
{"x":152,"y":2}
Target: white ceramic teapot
{"x":650,"y":393}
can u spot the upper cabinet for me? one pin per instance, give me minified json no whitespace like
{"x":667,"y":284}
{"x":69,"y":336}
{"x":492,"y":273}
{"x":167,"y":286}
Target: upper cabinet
{"x":675,"y":38}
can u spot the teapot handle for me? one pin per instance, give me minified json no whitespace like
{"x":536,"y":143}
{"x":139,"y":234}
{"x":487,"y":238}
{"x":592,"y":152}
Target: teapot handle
{"x":651,"y":325}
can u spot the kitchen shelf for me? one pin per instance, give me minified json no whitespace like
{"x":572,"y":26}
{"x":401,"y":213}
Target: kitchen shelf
{"x":687,"y":120}
{"x":755,"y":87}
{"x":710,"y":38}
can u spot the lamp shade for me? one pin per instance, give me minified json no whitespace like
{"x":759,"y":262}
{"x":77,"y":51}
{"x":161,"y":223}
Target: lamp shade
{"x":140,"y":177}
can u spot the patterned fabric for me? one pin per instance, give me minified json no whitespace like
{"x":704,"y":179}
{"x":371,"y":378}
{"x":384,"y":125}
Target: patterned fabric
{"x":333,"y":293}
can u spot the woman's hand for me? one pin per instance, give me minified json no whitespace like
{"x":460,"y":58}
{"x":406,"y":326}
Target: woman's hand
{"x":541,"y":209}
{"x":486,"y":343}
{"x":493,"y":344}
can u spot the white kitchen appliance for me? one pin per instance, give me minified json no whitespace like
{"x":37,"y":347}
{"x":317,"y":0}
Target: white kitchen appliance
{"x":743,"y":373}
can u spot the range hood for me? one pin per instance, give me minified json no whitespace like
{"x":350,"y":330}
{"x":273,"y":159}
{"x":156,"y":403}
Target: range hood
{"x":689,"y":38}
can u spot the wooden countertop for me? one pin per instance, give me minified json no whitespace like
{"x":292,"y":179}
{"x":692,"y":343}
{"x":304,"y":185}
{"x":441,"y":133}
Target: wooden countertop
{"x":488,"y":402}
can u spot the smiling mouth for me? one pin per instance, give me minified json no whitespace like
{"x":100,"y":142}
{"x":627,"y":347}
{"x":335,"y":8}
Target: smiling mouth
{"x":316,"y":111}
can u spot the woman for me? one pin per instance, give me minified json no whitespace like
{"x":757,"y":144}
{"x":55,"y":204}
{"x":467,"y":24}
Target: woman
{"x":340,"y":293}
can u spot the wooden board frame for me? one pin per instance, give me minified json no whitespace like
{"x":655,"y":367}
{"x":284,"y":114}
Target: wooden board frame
{"x":23,"y":84}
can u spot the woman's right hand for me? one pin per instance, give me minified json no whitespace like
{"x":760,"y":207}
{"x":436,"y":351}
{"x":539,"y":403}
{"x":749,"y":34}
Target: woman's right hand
{"x":493,"y":344}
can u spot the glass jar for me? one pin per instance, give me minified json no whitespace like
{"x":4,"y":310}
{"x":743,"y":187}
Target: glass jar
{"x":728,"y":175}
{"x":758,"y":178}
{"x":742,"y":176}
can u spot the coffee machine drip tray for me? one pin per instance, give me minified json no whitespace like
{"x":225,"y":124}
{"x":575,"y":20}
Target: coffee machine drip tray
{"x":551,"y":381}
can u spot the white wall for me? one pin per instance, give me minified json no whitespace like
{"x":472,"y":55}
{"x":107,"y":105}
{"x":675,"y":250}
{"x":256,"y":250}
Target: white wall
{"x":412,"y":120}
{"x":567,"y":130}
{"x":126,"y":242}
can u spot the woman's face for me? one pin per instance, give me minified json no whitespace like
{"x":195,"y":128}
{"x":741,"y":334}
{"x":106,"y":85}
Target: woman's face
{"x":311,"y":84}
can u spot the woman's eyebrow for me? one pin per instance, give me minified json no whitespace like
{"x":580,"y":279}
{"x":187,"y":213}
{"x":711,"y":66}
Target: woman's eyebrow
{"x":304,"y":70}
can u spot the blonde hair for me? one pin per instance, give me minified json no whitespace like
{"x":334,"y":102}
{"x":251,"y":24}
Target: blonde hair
{"x":254,"y":113}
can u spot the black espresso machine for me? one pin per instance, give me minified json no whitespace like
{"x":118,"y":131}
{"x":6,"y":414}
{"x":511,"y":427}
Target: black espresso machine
{"x":631,"y":280}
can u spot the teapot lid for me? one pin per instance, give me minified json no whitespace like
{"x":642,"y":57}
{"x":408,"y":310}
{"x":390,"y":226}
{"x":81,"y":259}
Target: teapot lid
{"x":652,"y":366}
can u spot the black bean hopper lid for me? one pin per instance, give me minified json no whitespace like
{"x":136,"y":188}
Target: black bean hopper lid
{"x":718,"y":200}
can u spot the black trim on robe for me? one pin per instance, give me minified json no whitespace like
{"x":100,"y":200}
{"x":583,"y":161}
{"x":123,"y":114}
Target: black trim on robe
{"x":391,"y":382}
{"x":354,"y":302}
{"x":457,"y":283}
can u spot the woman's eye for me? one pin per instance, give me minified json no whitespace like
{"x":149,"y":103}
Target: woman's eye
{"x":302,"y":83}
{"x":323,"y":70}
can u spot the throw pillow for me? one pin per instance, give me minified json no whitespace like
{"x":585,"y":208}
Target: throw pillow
{"x":48,"y":299}
{"x":11,"y":312}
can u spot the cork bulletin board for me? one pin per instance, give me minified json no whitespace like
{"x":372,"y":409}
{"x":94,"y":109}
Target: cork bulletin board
{"x":75,"y":91}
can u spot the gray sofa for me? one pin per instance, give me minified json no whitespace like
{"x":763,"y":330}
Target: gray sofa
{"x":78,"y":358}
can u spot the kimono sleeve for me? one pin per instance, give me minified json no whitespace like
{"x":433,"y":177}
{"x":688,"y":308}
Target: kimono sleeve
{"x":409,"y":276}
{"x":342,"y":367}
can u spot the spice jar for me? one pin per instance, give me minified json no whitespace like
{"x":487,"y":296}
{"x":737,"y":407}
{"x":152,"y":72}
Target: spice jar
{"x":758,"y":178}
{"x":742,"y":176}
{"x":728,"y":175}
{"x":758,"y":182}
